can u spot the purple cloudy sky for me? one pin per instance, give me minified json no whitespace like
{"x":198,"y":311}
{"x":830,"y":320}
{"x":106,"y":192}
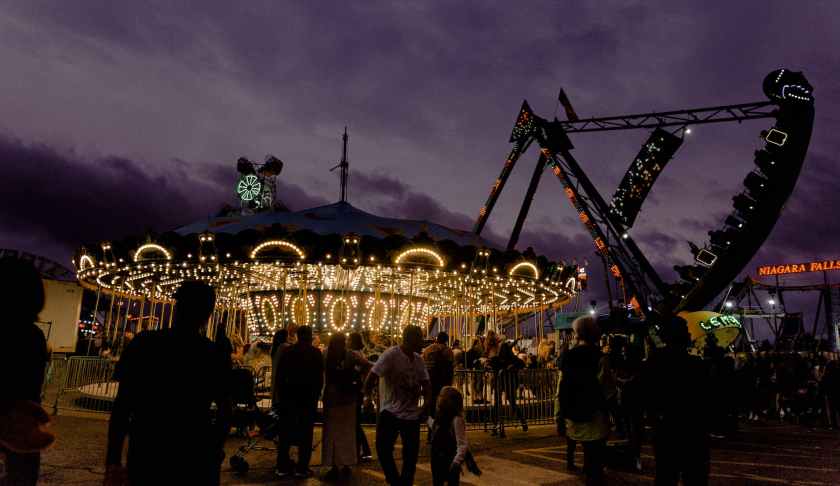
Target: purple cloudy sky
{"x":120,"y":117}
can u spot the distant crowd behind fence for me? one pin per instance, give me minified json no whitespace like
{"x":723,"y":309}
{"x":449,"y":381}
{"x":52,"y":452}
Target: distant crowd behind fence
{"x":491,"y":399}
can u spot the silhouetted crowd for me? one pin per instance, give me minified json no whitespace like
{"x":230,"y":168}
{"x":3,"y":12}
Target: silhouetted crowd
{"x":181,"y":394}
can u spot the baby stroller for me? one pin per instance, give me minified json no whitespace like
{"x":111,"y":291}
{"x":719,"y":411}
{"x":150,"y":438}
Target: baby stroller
{"x":249,"y":420}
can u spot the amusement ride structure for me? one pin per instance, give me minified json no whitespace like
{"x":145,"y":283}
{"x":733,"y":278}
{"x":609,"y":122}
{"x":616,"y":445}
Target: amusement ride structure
{"x":338,"y":268}
{"x":729,"y":249}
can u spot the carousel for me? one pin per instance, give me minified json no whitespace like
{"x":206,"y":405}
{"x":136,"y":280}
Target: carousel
{"x":335,"y":268}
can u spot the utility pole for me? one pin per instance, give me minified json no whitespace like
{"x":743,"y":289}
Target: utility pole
{"x":345,"y":167}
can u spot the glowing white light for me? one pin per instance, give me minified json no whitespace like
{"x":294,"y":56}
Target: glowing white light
{"x":419,"y":251}
{"x":277,"y":244}
{"x":728,"y":304}
{"x":528,"y":265}
{"x":151,"y":247}
{"x":86,"y":259}
{"x":249,"y":187}
{"x":339,"y":314}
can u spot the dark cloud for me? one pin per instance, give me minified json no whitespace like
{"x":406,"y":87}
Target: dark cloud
{"x":55,"y":201}
{"x":388,"y":196}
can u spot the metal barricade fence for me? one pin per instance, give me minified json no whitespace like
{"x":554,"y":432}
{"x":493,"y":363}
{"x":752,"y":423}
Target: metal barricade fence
{"x":526,"y":396}
{"x":494,"y":400}
{"x":476,"y":388}
{"x":88,"y":386}
{"x":53,"y":378}
{"x":262,"y":387}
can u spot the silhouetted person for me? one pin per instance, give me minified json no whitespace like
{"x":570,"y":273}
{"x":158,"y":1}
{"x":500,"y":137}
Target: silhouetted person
{"x":440,"y":363}
{"x":168,"y":380}
{"x":362,"y":445}
{"x":507,"y":366}
{"x":403,"y":380}
{"x":224,"y":345}
{"x":677,"y":390}
{"x":341,"y":389}
{"x":300,"y":377}
{"x":449,"y":438}
{"x":582,"y":398}
{"x":278,"y":341}
{"x":830,"y":386}
{"x":23,"y":359}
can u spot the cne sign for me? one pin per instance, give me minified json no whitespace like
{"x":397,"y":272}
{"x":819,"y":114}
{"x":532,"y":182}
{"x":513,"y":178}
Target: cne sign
{"x":789,"y":268}
{"x":719,"y":321}
{"x":726,"y":327}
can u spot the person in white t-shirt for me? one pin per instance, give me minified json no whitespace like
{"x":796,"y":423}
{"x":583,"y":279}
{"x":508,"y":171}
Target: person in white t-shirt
{"x":403,"y":380}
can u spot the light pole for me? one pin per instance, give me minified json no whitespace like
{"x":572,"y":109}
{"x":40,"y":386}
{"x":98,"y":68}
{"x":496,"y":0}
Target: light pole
{"x":772,"y":303}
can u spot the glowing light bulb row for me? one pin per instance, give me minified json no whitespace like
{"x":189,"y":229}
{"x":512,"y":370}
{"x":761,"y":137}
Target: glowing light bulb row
{"x":527,"y":265}
{"x":277,"y":244}
{"x":138,"y":253}
{"x":427,"y":252}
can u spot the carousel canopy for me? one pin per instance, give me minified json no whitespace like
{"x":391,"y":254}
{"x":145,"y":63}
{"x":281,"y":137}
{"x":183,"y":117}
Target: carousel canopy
{"x":334,"y":267}
{"x":340,"y":218}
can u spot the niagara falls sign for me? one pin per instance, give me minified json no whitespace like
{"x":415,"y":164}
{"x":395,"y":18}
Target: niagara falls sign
{"x":789,"y":268}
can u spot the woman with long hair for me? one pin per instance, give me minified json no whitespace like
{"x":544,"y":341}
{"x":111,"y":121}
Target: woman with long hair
{"x":341,"y":388}
{"x":449,"y":438}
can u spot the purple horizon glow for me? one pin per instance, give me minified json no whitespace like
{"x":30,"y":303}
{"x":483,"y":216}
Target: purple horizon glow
{"x":120,"y":119}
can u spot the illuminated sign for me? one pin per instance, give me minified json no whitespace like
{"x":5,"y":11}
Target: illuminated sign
{"x":719,"y":321}
{"x":639,"y":179}
{"x":789,"y":268}
{"x":725,"y":327}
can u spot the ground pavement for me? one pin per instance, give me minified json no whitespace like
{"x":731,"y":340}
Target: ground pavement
{"x":758,"y":455}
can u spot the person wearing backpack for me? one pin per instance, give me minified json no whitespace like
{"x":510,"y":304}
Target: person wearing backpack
{"x":340,"y":397}
{"x":582,"y":400}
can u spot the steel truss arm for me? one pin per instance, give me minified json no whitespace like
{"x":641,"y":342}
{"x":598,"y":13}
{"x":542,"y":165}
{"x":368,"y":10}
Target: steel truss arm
{"x":517,"y":150}
{"x":631,"y":266}
{"x":526,"y":203}
{"x":681,"y":118}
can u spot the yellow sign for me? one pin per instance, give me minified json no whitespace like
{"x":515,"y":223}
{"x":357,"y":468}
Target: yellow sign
{"x":726,"y":327}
